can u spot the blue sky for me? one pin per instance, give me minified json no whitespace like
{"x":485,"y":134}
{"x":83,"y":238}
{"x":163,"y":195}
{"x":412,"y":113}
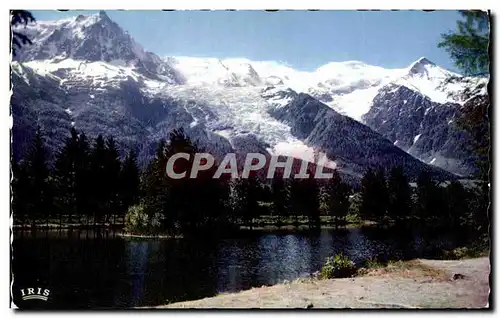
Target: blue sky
{"x":304,"y":40}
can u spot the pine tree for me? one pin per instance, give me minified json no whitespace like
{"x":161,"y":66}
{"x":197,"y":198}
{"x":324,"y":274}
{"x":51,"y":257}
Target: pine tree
{"x":473,"y":119}
{"x":65,"y":177}
{"x":296,"y":200}
{"x":468,"y":46}
{"x":304,"y":201}
{"x":338,"y":197}
{"x":71,"y":177}
{"x":457,"y":200}
{"x":112,"y":169}
{"x":83,"y":176}
{"x":129,"y":181}
{"x":239,"y":199}
{"x":188,"y":212}
{"x":99,"y":191}
{"x":311,"y":200}
{"x":375,"y":197}
{"x":368,"y":196}
{"x":247,"y":193}
{"x":155,"y":190}
{"x":19,"y":17}
{"x":280,"y":197}
{"x":480,"y":207}
{"x":429,"y":206}
{"x":40,"y":191}
{"x":212,"y":196}
{"x":20,"y":193}
{"x":382,"y":195}
{"x":399,"y":195}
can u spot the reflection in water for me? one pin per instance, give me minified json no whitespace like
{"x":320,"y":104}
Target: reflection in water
{"x":84,"y":269}
{"x":137,"y":256}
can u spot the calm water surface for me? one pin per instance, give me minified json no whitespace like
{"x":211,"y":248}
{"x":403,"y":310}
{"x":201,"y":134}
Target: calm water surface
{"x":87,"y":270}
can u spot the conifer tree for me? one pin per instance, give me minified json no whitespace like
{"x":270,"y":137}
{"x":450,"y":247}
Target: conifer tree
{"x":212,"y":198}
{"x":247,"y":193}
{"x":40,"y":191}
{"x":368,"y":196}
{"x":457,"y":205}
{"x":65,"y":177}
{"x":99,"y":191}
{"x":155,"y":189}
{"x":382,"y":195}
{"x":112,"y":168}
{"x":83,"y":181}
{"x":375,"y":197}
{"x":480,"y":207}
{"x":399,"y":195}
{"x":304,"y":193}
{"x":337,"y":197}
{"x":296,"y":206}
{"x":20,"y":193}
{"x":186,"y":211}
{"x":468,"y":45}
{"x":129,"y":181}
{"x":19,"y":17}
{"x":429,"y":205}
{"x":280,"y":197}
{"x":310,"y":200}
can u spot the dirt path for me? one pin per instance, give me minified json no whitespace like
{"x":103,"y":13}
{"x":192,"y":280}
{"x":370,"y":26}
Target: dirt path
{"x":429,"y":284}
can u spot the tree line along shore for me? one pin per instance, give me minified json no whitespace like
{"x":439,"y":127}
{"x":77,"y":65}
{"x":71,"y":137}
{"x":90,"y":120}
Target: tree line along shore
{"x":88,"y":185}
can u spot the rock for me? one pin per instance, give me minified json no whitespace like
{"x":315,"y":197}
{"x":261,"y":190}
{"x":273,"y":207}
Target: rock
{"x":458,"y":276}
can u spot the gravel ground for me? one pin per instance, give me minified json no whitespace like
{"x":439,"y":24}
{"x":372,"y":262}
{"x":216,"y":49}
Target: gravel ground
{"x":431,"y":284}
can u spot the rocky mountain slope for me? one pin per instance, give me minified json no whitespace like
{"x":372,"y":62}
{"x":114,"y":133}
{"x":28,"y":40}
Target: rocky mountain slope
{"x":89,"y":73}
{"x":423,"y":121}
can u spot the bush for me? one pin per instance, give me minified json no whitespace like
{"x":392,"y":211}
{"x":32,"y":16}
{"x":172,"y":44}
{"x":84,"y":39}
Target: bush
{"x":338,"y":266}
{"x":137,"y":221}
{"x":374,"y":262}
{"x":472,"y":251}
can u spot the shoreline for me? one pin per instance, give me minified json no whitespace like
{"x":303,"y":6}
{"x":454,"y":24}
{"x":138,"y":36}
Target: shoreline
{"x":146,"y":236}
{"x":423,"y":284}
{"x":285,"y":228}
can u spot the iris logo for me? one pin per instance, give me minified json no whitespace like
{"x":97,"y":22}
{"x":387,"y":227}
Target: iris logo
{"x":35,"y":293}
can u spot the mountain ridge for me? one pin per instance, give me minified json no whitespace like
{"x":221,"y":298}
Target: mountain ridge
{"x":210,"y":97}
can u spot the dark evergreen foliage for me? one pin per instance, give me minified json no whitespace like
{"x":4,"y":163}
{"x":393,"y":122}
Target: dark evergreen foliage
{"x":65,"y":178}
{"x":92,"y":186}
{"x":129,"y":181}
{"x":338,"y":198}
{"x":468,"y":45}
{"x":280,"y":195}
{"x":39,"y":191}
{"x":19,"y":17}
{"x":399,"y":192}
{"x":247,"y":205}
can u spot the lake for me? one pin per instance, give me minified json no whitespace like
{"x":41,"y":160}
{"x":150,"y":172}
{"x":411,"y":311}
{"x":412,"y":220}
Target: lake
{"x":84,"y":269}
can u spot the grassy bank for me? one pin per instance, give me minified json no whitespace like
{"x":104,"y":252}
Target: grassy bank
{"x":410,"y":284}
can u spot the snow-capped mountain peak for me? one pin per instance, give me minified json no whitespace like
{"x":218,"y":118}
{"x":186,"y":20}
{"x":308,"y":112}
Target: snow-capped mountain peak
{"x":347,"y":87}
{"x":434,"y":82}
{"x":425,"y":68}
{"x":85,"y":37}
{"x":92,"y":38}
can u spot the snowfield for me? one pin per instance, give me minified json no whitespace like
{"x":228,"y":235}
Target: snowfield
{"x":347,"y":87}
